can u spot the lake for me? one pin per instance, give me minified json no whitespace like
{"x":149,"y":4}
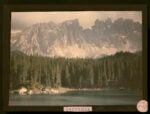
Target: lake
{"x":102,"y":97}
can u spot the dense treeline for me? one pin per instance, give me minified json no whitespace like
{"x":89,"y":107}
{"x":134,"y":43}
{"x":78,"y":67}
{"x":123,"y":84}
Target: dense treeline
{"x":122,"y":70}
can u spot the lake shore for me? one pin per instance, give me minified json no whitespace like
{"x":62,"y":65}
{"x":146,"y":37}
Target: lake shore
{"x":60,"y":90}
{"x":64,"y":90}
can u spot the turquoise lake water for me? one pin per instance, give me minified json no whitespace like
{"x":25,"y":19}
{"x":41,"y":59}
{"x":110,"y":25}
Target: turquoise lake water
{"x":103,"y":97}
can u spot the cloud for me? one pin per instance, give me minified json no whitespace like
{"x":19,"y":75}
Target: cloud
{"x":21,"y":20}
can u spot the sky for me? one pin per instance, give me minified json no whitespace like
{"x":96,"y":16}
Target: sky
{"x":21,"y":20}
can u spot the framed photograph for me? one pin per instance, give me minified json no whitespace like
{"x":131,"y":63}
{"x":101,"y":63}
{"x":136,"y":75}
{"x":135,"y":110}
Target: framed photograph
{"x":75,"y":58}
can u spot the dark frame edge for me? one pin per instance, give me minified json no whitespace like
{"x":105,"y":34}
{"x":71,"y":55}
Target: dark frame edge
{"x":5,"y":58}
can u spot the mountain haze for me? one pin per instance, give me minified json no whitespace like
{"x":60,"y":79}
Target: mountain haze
{"x":69,"y":39}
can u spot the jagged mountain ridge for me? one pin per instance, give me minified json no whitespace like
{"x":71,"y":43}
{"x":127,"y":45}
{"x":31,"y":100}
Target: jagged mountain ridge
{"x":69,"y":39}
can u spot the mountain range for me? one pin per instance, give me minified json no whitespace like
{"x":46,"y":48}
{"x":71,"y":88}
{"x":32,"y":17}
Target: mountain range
{"x":69,"y":39}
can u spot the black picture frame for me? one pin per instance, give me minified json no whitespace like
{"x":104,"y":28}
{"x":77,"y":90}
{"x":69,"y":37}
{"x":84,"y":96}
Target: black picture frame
{"x":7,"y":9}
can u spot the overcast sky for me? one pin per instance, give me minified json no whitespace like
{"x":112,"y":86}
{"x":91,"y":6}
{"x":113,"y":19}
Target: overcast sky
{"x":21,"y":20}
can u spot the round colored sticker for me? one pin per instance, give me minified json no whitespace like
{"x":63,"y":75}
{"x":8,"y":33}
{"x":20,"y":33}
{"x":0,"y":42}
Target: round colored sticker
{"x":142,"y":106}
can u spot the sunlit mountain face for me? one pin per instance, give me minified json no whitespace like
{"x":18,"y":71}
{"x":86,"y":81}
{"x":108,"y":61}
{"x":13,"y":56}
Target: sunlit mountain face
{"x":68,"y":39}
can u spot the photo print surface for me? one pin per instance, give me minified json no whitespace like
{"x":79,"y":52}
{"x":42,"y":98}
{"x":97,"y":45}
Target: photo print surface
{"x":75,"y":58}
